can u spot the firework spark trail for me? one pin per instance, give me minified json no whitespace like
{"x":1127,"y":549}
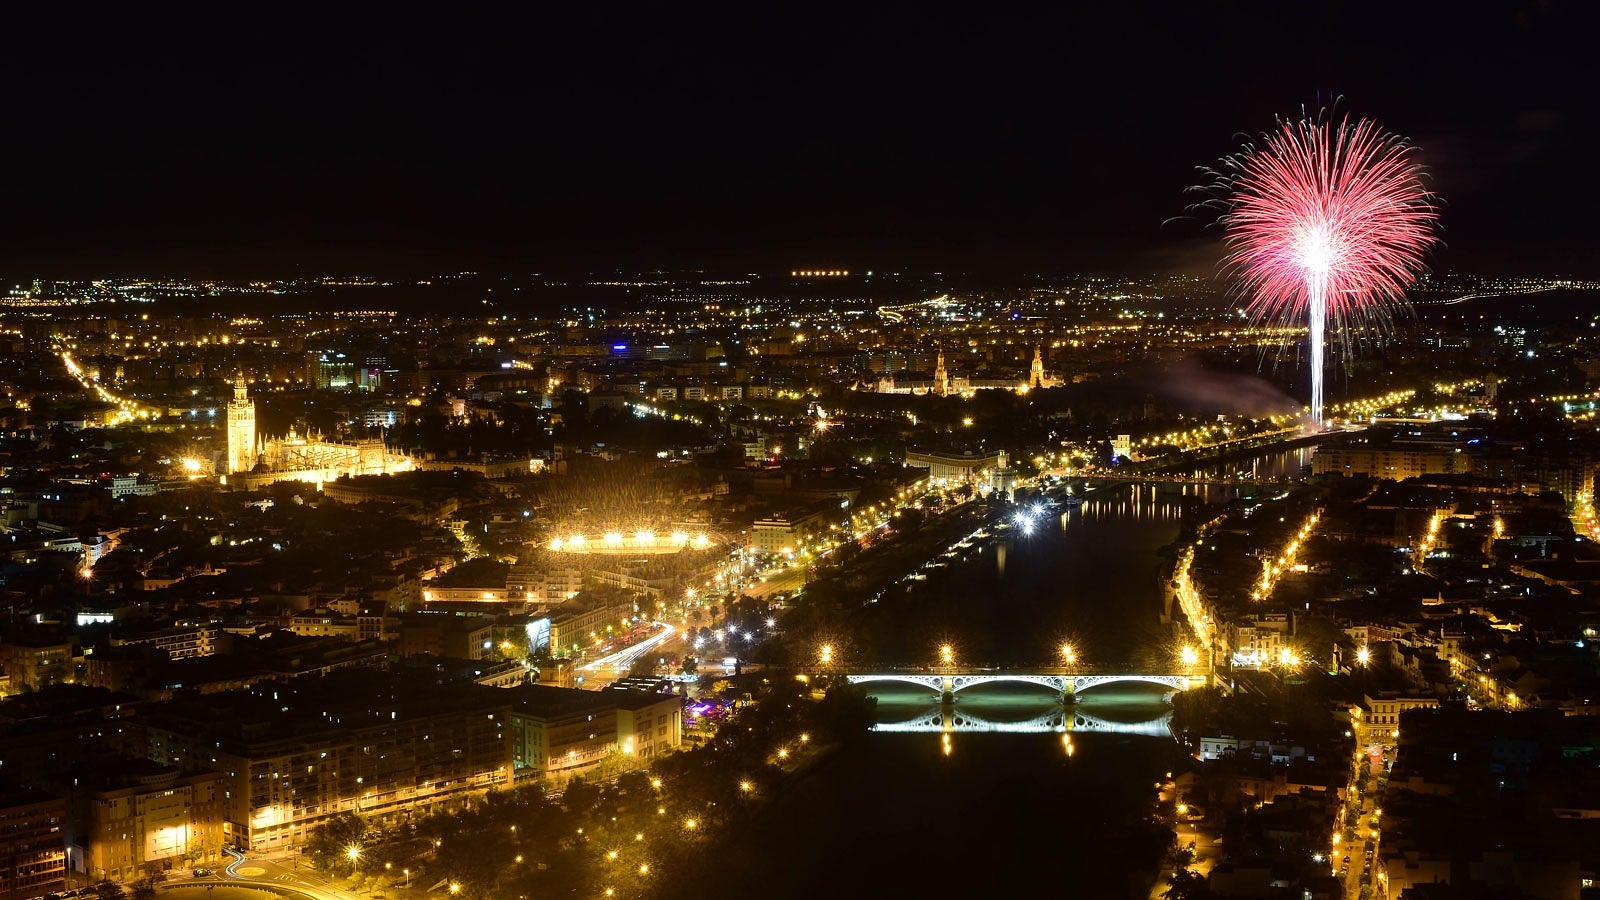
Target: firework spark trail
{"x":1326,"y":220}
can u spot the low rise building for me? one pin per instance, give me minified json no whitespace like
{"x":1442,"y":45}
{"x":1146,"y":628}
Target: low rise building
{"x":443,"y":634}
{"x":37,"y":662}
{"x":648,"y":723}
{"x":1258,"y":641}
{"x":559,"y":732}
{"x":784,"y":532}
{"x":556,"y":586}
{"x":32,"y":844}
{"x":966,"y":466}
{"x":572,"y":630}
{"x":133,"y":486}
{"x":183,"y":642}
{"x":1383,"y":711}
{"x":325,"y":623}
{"x":491,"y":593}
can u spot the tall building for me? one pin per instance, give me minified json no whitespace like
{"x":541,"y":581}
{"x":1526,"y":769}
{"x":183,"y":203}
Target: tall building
{"x":129,"y":814}
{"x":241,"y":430}
{"x":1037,"y":378}
{"x":293,"y":754}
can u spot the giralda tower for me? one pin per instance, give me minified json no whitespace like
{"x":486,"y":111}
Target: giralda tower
{"x":241,"y":429}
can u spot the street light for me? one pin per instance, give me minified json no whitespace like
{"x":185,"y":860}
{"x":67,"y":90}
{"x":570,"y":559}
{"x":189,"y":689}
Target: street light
{"x":353,"y":852}
{"x":947,"y":654}
{"x":825,"y":655}
{"x":1068,"y":654}
{"x":1189,"y":655}
{"x":1363,"y":656}
{"x":455,"y":887}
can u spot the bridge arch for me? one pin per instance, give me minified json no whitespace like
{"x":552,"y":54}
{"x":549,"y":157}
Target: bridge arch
{"x":1169,"y":682}
{"x":933,"y":683}
{"x":1057,"y":683}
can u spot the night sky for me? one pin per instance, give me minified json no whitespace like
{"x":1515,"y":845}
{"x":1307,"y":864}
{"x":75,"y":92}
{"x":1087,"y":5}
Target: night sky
{"x":692,"y":136}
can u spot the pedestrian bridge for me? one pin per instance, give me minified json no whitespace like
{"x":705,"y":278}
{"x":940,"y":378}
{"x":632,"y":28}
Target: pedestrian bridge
{"x":1065,"y":684}
{"x":949,"y":719}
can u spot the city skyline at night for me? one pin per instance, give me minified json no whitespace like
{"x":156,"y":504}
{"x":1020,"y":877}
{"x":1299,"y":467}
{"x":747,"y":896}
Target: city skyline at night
{"x":1143,"y":452}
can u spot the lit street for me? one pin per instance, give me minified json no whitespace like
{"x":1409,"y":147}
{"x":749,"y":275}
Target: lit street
{"x":597,"y":672}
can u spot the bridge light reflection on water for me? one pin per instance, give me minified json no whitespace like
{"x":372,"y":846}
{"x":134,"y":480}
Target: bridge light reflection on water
{"x":1121,"y":709}
{"x":946,"y":720}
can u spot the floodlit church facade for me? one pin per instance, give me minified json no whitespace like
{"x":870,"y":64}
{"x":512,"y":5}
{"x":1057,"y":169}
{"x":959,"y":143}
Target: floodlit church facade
{"x":254,"y":461}
{"x":944,"y":384}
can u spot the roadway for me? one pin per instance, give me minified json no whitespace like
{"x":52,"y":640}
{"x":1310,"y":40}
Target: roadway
{"x":1357,"y":832}
{"x":285,"y":877}
{"x":271,"y":873}
{"x":777,"y":580}
{"x":601,"y":670}
{"x":127,"y":409}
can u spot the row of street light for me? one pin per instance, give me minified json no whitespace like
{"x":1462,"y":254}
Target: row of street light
{"x":1188,"y":655}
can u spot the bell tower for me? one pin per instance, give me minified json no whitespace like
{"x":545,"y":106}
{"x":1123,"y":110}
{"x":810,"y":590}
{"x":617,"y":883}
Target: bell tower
{"x":241,"y":429}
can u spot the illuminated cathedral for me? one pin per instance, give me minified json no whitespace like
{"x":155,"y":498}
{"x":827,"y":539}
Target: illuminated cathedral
{"x":945,"y":384}
{"x":254,"y":460}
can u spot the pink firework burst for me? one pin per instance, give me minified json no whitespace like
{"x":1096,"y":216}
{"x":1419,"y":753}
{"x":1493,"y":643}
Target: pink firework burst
{"x":1326,"y":221}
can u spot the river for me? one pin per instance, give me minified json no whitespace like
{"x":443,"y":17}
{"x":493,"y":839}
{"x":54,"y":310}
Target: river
{"x":990,"y":814}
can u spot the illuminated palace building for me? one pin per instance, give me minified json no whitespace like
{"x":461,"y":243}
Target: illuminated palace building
{"x":254,"y":460}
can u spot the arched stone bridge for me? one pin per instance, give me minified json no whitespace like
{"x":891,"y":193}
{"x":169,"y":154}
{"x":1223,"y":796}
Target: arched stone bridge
{"x":1066,"y":684}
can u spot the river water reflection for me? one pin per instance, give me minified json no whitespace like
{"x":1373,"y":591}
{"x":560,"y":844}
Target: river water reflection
{"x":979,"y":812}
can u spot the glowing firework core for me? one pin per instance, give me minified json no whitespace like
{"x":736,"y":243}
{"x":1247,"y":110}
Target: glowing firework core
{"x":1326,"y":219}
{"x":1315,"y":249}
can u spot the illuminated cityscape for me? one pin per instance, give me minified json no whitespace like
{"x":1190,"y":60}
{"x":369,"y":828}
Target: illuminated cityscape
{"x":667,"y":459}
